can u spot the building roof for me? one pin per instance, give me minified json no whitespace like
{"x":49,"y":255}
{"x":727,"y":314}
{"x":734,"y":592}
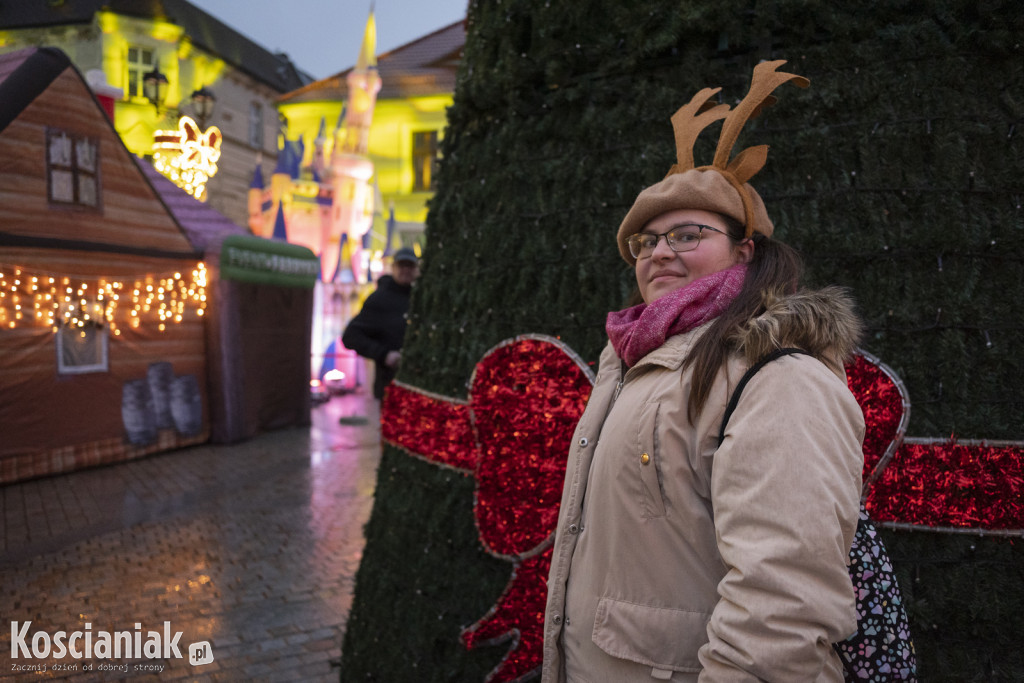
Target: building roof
{"x":204,"y":30}
{"x":202,"y":224}
{"x":24,"y":75}
{"x":425,"y":66}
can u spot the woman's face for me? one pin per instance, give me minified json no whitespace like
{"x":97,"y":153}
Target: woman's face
{"x":667,"y":270}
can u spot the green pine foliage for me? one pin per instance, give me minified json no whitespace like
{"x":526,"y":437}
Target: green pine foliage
{"x":423,"y":578}
{"x":897,"y":174}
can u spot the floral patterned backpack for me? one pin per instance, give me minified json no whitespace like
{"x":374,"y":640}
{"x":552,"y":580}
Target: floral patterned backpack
{"x":881,"y":650}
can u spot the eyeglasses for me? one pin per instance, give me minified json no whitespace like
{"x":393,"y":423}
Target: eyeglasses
{"x":680,"y":238}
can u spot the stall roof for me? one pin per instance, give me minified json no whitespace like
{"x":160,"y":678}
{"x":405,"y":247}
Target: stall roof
{"x":202,"y":224}
{"x":24,"y":76}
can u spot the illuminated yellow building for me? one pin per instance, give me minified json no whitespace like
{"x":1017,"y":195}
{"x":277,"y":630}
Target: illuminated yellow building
{"x":116,"y":45}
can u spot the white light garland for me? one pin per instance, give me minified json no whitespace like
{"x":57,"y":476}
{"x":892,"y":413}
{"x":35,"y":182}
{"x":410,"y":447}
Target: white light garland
{"x":34,"y":298}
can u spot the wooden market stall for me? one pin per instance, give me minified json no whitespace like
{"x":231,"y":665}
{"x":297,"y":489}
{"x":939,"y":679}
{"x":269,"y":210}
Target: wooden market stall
{"x":102,"y":296}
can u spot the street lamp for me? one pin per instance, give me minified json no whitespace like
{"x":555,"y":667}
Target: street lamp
{"x":154,"y":85}
{"x":203,"y":103}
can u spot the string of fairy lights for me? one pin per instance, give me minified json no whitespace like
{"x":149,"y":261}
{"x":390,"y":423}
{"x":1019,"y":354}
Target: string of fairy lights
{"x":31,"y":297}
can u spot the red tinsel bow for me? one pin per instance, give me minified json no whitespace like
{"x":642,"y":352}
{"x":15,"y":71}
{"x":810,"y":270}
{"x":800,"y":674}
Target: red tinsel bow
{"x":513,"y":435}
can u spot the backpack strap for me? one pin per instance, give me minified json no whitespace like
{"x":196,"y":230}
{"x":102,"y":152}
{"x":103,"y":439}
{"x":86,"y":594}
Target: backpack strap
{"x":735,"y":398}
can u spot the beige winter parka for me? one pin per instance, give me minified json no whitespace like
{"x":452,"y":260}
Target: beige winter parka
{"x":675,"y":557}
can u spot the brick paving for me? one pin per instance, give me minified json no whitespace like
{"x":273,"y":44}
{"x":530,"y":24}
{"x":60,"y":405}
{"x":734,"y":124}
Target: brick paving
{"x":250,"y":547}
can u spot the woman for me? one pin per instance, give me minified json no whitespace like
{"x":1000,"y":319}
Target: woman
{"x":676,"y":557}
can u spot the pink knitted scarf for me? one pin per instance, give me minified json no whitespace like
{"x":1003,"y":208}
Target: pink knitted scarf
{"x":638,"y":330}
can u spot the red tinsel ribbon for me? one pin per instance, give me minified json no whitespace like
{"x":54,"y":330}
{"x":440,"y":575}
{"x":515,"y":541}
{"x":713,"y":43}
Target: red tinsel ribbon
{"x":513,"y":433}
{"x":429,"y":426}
{"x":934,"y":484}
{"x":954,"y":487}
{"x":519,"y":613}
{"x":525,"y":400}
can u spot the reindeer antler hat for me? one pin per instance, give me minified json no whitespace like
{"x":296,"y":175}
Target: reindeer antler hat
{"x":721,"y":187}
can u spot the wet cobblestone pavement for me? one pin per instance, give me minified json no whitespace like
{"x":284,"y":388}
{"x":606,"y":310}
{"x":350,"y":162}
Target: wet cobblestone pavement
{"x":252,"y":548}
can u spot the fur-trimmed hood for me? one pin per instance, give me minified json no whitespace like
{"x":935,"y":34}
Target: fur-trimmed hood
{"x":821,"y":322}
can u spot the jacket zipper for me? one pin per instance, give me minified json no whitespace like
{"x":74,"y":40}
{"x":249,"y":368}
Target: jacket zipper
{"x":622,"y":380}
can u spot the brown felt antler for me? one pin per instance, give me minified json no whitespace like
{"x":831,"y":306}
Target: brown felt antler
{"x":688,"y":123}
{"x":764,"y":81}
{"x":691,"y":119}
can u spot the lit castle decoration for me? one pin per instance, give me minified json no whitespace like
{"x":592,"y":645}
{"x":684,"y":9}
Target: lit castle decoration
{"x":333,"y":203}
{"x":351,"y":168}
{"x":329,"y":205}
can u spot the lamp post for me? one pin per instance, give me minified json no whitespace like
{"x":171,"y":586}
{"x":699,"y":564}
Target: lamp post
{"x":203,"y":103}
{"x":154,"y":85}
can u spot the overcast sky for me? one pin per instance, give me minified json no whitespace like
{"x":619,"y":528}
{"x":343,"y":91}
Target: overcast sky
{"x":322,"y":37}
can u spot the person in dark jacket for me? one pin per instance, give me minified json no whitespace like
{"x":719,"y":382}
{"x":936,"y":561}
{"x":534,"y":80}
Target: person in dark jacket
{"x":378,"y":330}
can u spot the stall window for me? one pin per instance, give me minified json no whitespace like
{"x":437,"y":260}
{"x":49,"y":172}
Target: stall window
{"x":256,"y":125}
{"x":72,"y":169}
{"x":81,"y":349}
{"x":140,"y":62}
{"x":424,"y":160}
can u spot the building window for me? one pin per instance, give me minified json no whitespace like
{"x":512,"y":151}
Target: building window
{"x":256,"y":125}
{"x":424,"y":160}
{"x":72,"y":169}
{"x":81,"y":349}
{"x":140,"y":62}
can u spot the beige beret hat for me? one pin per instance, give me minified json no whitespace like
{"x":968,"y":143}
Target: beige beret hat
{"x":721,"y":187}
{"x":708,"y":190}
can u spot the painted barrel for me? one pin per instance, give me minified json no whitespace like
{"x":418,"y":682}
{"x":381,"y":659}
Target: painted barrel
{"x":186,"y":405}
{"x":137,"y":412}
{"x":160,"y":376}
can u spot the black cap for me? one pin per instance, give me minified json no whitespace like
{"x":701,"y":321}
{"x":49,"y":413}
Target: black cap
{"x":407,"y":255}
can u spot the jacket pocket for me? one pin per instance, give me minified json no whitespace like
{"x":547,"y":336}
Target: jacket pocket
{"x":648,"y":462}
{"x":660,"y":637}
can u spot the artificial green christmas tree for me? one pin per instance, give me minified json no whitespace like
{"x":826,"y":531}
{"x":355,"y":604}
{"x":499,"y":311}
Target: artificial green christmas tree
{"x":899,"y":173}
